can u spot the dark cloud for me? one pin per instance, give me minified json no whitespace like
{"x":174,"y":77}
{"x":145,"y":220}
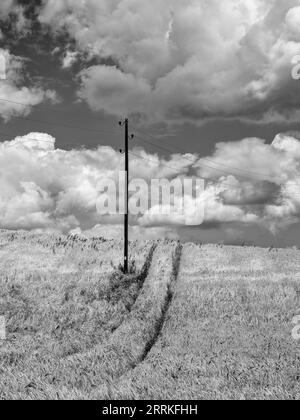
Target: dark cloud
{"x":186,"y":62}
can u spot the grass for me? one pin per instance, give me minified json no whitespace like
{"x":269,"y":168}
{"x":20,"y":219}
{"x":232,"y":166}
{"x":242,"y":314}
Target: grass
{"x":189,"y":322}
{"x":228,"y":330}
{"x":92,"y":372}
{"x":55,"y":310}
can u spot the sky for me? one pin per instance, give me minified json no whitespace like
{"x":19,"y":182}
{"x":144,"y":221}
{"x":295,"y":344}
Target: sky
{"x":211,"y":90}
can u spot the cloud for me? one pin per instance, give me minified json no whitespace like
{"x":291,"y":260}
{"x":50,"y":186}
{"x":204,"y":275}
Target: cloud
{"x":265,"y":176}
{"x":6,"y":7}
{"x":185,"y":61}
{"x":17,"y":99}
{"x":32,"y":141}
{"x":108,"y":88}
{"x":11,"y":9}
{"x":293,"y":21}
{"x":46,"y":188}
{"x":116,"y":232}
{"x":69,"y":59}
{"x":51,"y":189}
{"x":208,"y":208}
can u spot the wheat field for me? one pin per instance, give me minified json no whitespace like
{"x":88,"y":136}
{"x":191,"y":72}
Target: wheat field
{"x":188,"y":322}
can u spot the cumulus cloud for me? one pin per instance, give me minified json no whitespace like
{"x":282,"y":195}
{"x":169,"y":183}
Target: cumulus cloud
{"x":43,"y":187}
{"x":69,"y":59}
{"x":108,"y":88}
{"x":191,"y":60}
{"x":51,"y":189}
{"x":266,"y":176}
{"x":136,"y":232}
{"x":6,"y":7}
{"x":11,"y":8}
{"x":17,"y":99}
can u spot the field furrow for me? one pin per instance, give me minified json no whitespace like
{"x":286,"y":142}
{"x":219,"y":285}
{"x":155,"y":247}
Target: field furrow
{"x":91,"y":372}
{"x":228,"y":330}
{"x":49,"y":318}
{"x":95,"y":371}
{"x":189,"y":322}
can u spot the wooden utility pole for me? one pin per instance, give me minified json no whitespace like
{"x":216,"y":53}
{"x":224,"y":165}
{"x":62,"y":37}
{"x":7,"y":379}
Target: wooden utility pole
{"x":126,"y":215}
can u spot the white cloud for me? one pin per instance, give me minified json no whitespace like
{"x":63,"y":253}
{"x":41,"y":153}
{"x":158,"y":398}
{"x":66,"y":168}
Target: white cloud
{"x":136,"y":232}
{"x":293,"y":21}
{"x":32,"y":141}
{"x":69,"y":59}
{"x":51,"y":189}
{"x":6,"y":7}
{"x":12,"y":8}
{"x":265,"y":176}
{"x":17,"y":99}
{"x":107,"y":88}
{"x":185,"y":60}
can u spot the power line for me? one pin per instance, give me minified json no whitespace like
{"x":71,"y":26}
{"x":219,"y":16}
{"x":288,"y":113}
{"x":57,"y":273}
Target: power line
{"x":207,"y":166}
{"x":46,"y":141}
{"x":206,"y":159}
{"x":98,"y":131}
{"x":64,"y":125}
{"x":201,"y":164}
{"x":177,"y":170}
{"x":115,"y":131}
{"x":147,"y":142}
{"x":153,"y":144}
{"x":70,"y":143}
{"x":46,"y":107}
{"x":198,"y":163}
{"x":190,"y":160}
{"x":148,"y":159}
{"x":232,"y":168}
{"x":106,"y":131}
{"x":212,"y":181}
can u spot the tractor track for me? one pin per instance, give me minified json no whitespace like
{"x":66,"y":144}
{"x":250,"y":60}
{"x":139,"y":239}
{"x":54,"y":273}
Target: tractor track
{"x":131,"y":343}
{"x":168,"y":302}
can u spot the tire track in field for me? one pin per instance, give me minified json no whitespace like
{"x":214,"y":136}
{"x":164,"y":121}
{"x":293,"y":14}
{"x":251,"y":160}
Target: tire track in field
{"x":108,"y":391}
{"x":139,"y":279}
{"x":94,"y":372}
{"x":168,"y":301}
{"x":144,"y":272}
{"x":130,"y":343}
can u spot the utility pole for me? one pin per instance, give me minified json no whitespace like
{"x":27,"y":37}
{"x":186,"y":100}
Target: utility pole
{"x":126,"y":215}
{"x":126,"y":218}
